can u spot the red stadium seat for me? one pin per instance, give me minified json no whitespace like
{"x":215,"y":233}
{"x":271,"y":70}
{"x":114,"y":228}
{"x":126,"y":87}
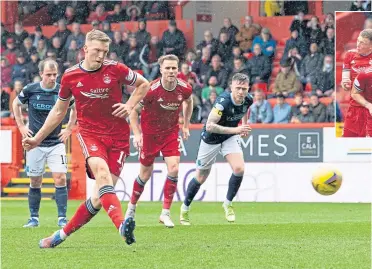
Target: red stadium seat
{"x":308,"y":87}
{"x":275,"y":71}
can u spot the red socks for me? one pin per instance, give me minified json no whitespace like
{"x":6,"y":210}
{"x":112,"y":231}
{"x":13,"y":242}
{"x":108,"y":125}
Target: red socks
{"x":138,"y":187}
{"x":170,"y":188}
{"x":111,"y":204}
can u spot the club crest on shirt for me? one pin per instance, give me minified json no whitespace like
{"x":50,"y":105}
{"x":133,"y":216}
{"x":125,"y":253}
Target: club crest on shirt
{"x":106,"y":79}
{"x":179,"y":97}
{"x":93,"y":147}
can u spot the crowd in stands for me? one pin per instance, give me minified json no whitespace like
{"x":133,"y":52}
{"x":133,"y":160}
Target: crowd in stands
{"x":304,"y":74}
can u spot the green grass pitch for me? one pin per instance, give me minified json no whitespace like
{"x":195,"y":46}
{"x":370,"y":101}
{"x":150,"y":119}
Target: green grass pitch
{"x":265,"y":235}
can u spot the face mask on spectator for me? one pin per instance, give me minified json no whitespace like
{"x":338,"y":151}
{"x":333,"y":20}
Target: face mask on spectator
{"x":328,"y":66}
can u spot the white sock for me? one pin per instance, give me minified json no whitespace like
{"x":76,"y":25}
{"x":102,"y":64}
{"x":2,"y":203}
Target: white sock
{"x":35,"y":218}
{"x":132,"y":206}
{"x":61,"y":218}
{"x":62,"y":234}
{"x":227,"y":202}
{"x":185,"y":207}
{"x":165,"y":211}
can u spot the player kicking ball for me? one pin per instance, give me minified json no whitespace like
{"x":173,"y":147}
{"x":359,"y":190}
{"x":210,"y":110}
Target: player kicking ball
{"x":96,"y":85}
{"x":221,"y":133}
{"x":40,"y":98}
{"x":159,"y":123}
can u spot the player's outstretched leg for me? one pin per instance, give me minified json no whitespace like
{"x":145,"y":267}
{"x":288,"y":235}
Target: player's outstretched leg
{"x":34,"y":198}
{"x":61,"y":197}
{"x":170,"y":188}
{"x":192,"y":190}
{"x":138,"y":187}
{"x":85,"y":212}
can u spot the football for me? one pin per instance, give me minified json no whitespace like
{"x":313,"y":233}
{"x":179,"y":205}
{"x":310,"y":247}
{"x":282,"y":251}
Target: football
{"x":326,"y":181}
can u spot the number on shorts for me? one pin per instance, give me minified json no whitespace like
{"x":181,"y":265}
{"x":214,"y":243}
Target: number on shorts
{"x":64,"y":159}
{"x":121,"y":157}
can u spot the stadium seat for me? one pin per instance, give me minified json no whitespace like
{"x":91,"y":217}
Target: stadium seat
{"x":262,"y":86}
{"x":275,"y":71}
{"x":308,"y":87}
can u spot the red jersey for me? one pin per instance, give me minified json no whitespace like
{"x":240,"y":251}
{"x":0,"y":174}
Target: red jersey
{"x":161,"y":107}
{"x":356,"y":63}
{"x":363,"y":84}
{"x":95,"y":93}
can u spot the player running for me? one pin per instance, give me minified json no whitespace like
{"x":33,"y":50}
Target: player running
{"x":159,"y":123}
{"x":96,"y":84}
{"x":362,"y":93}
{"x":40,"y":98}
{"x":221,"y":133}
{"x":355,"y":62}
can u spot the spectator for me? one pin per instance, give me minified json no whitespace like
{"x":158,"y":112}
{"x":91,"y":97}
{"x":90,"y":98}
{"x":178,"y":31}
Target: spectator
{"x":368,"y":23}
{"x":239,"y":67}
{"x":118,"y":15}
{"x":19,"y":34}
{"x":4,"y":35}
{"x":212,"y":86}
{"x":296,"y":108}
{"x":208,"y":105}
{"x":196,"y":89}
{"x":99,"y":15}
{"x":71,"y":57}
{"x":259,"y":67}
{"x":41,"y":49}
{"x":4,"y":98}
{"x":16,"y":89}
{"x":52,"y":54}
{"x":132,"y":58}
{"x":133,"y":13}
{"x":236,"y":53}
{"x":273,"y":8}
{"x":106,"y":28}
{"x":95,"y":25}
{"x":360,"y":5}
{"x":314,"y":32}
{"x":209,"y":41}
{"x":247,"y":33}
{"x":286,"y":82}
{"x":298,"y":42}
{"x":118,"y":45}
{"x":295,"y":59}
{"x":27,"y":49}
{"x":324,"y":83}
{"x":149,"y":56}
{"x":331,"y":115}
{"x":11,"y":51}
{"x":201,"y":66}
{"x":58,"y":49}
{"x":62,"y":32}
{"x":311,"y":64}
{"x":299,"y":24}
{"x":230,"y":29}
{"x":224,"y":48}
{"x":329,"y":22}
{"x":81,"y":11}
{"x":70,"y":15}
{"x":173,"y":40}
{"x":190,"y":58}
{"x":19,"y":71}
{"x":217,"y":71}
{"x":327,"y":46}
{"x":305,"y":116}
{"x":266,"y":42}
{"x":114,"y":57}
{"x":56,"y":10}
{"x":142,"y":36}
{"x":185,"y":73}
{"x":260,"y":111}
{"x":32,"y":68}
{"x":76,"y":35}
{"x":318,"y":109}
{"x":282,"y":110}
{"x":6,"y":72}
{"x":37,"y":36}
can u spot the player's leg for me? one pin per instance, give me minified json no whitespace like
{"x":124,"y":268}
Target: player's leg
{"x":352,"y":123}
{"x":206,"y":157}
{"x":35,"y":166}
{"x":57,"y":162}
{"x":233,"y":154}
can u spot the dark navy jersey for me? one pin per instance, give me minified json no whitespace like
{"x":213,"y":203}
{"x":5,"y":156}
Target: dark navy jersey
{"x":230,"y":113}
{"x":40,"y":102}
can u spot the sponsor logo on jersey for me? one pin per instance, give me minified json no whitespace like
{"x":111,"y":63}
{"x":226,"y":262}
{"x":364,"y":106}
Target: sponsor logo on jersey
{"x":93,"y":147}
{"x":170,"y":106}
{"x":42,"y":106}
{"x":361,"y":69}
{"x":106,"y":79}
{"x":79,"y":84}
{"x":235,"y":117}
{"x":98,"y":93}
{"x":180,"y":97}
{"x":37,"y":97}
{"x":352,"y":62}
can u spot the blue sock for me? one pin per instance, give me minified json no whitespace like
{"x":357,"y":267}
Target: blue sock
{"x":192,"y":190}
{"x":234,"y":185}
{"x":34,"y":198}
{"x":61,"y":200}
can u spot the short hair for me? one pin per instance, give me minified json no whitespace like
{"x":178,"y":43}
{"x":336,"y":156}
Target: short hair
{"x":240,"y":78}
{"x":169,"y":57}
{"x":47,"y":62}
{"x":97,"y":35}
{"x":366,"y":33}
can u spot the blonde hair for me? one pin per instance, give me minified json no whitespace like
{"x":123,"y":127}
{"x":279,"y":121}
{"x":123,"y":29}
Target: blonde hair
{"x":170,"y":57}
{"x":97,"y":35}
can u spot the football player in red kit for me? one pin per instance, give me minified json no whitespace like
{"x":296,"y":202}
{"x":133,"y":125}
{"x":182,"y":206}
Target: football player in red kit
{"x":96,"y":84}
{"x":362,"y":93}
{"x":356,"y":61}
{"x":159,"y":124}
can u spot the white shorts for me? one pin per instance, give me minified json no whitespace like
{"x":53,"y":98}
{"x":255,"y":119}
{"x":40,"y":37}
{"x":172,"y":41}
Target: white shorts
{"x":54,"y":156}
{"x":207,"y":153}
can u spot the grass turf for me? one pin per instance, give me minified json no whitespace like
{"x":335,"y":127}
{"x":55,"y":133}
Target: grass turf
{"x":265,"y":235}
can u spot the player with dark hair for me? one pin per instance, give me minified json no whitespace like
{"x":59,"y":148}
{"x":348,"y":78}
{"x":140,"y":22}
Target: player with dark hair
{"x":221,"y":134}
{"x":40,"y":98}
{"x":159,"y":123}
{"x":96,"y":84}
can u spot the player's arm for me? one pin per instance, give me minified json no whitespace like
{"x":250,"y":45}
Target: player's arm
{"x":142,"y":87}
{"x":187,"y":107}
{"x":212,"y":125}
{"x":134,"y":124}
{"x":346,"y":74}
{"x":17,"y":111}
{"x":65,"y":133}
